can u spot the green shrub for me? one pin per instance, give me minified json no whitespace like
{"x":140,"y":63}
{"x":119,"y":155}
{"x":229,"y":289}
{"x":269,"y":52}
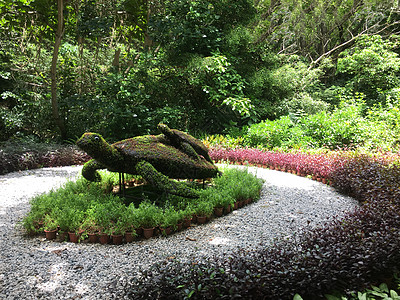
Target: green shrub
{"x":342,"y":128}
{"x":269,"y":134}
{"x":204,"y":208}
{"x":220,"y":198}
{"x":382,"y":127}
{"x":371,"y":66}
{"x":171,"y":217}
{"x":149,"y":215}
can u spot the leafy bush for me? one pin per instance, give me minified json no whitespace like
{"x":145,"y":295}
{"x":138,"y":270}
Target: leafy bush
{"x":270,"y":134}
{"x":219,"y":140}
{"x":371,"y":66}
{"x":383,"y":128}
{"x":344,"y":127}
{"x":340,"y":129}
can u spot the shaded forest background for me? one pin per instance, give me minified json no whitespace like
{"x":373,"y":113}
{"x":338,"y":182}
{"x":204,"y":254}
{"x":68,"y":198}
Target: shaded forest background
{"x":217,"y":66}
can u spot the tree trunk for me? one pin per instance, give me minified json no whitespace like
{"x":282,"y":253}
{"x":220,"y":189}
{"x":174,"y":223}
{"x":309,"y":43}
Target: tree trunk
{"x":147,"y":39}
{"x":53,"y":71}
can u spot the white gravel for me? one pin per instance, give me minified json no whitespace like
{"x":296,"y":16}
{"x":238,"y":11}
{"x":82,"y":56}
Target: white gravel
{"x":33,"y":268}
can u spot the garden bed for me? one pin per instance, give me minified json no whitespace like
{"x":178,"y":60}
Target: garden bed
{"x":345,"y":254}
{"x":83,"y":209}
{"x":20,"y":155}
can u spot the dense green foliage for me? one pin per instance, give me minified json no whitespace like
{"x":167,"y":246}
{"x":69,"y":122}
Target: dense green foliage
{"x":200,"y":66}
{"x":351,"y":125}
{"x":270,"y":74}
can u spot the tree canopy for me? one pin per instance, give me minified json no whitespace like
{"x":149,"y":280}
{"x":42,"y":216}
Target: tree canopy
{"x":120,"y":67}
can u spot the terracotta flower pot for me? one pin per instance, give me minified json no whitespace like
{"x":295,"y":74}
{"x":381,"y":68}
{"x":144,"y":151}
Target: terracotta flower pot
{"x":93,"y":238}
{"x":129,"y":237}
{"x":166,"y":231}
{"x":179,"y":226}
{"x":139,"y":231}
{"x":218,"y":211}
{"x":194,"y":219}
{"x":201,"y":219}
{"x":62,"y":236}
{"x":227,"y":209}
{"x":51,"y":234}
{"x":117,"y":239}
{"x":187,"y":222}
{"x":73,"y":237}
{"x":148,"y":232}
{"x":103,"y":238}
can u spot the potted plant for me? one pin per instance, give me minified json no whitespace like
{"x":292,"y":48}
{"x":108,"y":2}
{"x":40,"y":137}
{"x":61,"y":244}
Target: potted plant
{"x":129,"y":218}
{"x":170,"y":220}
{"x":118,"y":231}
{"x":74,"y":231}
{"x":221,"y":199}
{"x":50,"y":227}
{"x":90,"y":229}
{"x":106,"y":215}
{"x":69,"y":221}
{"x":187,"y":215}
{"x":204,"y":209}
{"x":149,"y":216}
{"x":30,"y":224}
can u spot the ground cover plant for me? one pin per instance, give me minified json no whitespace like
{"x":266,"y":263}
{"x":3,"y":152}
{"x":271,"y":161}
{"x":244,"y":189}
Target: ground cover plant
{"x":19,"y":155}
{"x":85,"y":207}
{"x":353,"y":252}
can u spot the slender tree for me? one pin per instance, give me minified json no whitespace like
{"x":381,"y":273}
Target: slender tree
{"x":53,"y":71}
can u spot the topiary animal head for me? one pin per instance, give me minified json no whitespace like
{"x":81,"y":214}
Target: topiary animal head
{"x":93,"y":143}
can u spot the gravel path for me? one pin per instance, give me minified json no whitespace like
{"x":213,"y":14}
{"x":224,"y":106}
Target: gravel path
{"x":33,"y":268}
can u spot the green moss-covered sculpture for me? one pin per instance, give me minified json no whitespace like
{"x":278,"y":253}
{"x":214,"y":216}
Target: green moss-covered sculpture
{"x":172,"y":154}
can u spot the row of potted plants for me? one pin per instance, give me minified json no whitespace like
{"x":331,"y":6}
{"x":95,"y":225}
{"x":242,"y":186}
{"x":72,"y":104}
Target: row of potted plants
{"x":172,"y":221}
{"x":86,"y":212}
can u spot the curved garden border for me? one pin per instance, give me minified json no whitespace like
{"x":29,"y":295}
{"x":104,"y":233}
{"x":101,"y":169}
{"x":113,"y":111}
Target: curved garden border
{"x":353,"y":253}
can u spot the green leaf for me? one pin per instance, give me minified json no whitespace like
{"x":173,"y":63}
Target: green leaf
{"x":191,"y":294}
{"x":384,"y":287}
{"x":332,"y":297}
{"x":394,"y":295}
{"x":362,"y":296}
{"x":297,"y":297}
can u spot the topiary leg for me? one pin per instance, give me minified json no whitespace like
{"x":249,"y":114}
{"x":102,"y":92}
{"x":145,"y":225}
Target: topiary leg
{"x":163,"y":182}
{"x":89,"y":170}
{"x":189,"y":150}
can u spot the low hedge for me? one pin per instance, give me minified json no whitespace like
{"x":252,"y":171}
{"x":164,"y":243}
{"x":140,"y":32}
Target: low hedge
{"x":18,"y":156}
{"x":352,"y":252}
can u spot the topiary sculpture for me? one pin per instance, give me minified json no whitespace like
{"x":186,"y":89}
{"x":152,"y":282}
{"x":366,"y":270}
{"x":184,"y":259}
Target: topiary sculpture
{"x":157,"y":158}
